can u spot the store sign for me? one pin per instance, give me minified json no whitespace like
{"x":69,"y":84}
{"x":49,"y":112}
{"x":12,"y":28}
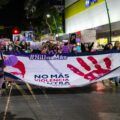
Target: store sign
{"x":89,"y":2}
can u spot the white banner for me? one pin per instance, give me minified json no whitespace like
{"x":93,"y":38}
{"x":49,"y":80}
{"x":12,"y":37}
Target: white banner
{"x":88,"y":36}
{"x":62,"y":71}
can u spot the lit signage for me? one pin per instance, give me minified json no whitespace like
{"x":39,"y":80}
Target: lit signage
{"x":89,"y":2}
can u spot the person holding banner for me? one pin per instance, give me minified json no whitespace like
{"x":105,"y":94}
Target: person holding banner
{"x":116,"y":47}
{"x":1,"y":73}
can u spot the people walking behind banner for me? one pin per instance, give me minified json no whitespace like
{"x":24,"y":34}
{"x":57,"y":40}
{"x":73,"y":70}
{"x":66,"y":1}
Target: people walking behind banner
{"x":65,"y":48}
{"x":1,"y":73}
{"x":23,"y":46}
{"x":78,"y":48}
{"x":74,"y":49}
{"x":116,"y":47}
{"x":108,"y":46}
{"x":86,"y":47}
{"x":96,"y":47}
{"x":73,"y":39}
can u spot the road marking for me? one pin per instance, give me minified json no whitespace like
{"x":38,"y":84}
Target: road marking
{"x":7,"y":104}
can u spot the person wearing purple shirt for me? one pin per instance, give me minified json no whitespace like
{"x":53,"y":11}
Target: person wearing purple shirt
{"x":65,"y":48}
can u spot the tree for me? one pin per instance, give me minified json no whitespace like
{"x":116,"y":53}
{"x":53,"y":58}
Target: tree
{"x":55,"y":20}
{"x":38,"y":18}
{"x":3,"y":2}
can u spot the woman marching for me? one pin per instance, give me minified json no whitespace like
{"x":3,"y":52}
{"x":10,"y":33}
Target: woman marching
{"x":1,"y":72}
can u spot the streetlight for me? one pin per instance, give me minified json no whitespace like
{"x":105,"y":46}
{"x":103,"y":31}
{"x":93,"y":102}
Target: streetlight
{"x":110,"y":28}
{"x":54,"y":20}
{"x":48,"y":16}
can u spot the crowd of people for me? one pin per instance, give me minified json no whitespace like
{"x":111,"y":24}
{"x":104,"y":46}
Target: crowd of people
{"x":57,"y":47}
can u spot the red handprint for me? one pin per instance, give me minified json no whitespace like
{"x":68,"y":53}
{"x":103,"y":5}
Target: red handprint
{"x":93,"y":74}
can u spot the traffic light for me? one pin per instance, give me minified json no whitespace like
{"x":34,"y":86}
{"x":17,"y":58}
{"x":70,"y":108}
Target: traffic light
{"x":15,"y":30}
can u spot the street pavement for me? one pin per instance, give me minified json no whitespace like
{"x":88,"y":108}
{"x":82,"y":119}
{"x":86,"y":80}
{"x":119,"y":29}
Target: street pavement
{"x":32,"y":103}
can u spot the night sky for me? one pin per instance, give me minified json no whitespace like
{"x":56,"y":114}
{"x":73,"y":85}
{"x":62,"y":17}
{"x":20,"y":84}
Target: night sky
{"x":13,"y":13}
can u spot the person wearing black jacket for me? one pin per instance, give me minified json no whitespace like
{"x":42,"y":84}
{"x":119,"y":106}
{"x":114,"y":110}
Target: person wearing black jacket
{"x":86,"y":47}
{"x":73,"y":39}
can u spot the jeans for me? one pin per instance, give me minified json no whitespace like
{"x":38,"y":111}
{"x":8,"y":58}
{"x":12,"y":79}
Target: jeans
{"x":116,"y":79}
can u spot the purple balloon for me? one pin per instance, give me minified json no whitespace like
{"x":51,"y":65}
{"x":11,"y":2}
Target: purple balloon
{"x":11,"y":60}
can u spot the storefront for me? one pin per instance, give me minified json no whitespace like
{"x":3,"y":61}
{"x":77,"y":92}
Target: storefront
{"x":90,"y":14}
{"x":104,"y":41}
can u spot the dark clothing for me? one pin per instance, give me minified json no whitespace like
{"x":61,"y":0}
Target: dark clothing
{"x":1,"y":60}
{"x":73,"y":41}
{"x":89,"y":46}
{"x":115,"y":48}
{"x":1,"y":66}
{"x":1,"y":70}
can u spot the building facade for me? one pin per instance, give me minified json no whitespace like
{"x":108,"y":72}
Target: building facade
{"x":89,"y":14}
